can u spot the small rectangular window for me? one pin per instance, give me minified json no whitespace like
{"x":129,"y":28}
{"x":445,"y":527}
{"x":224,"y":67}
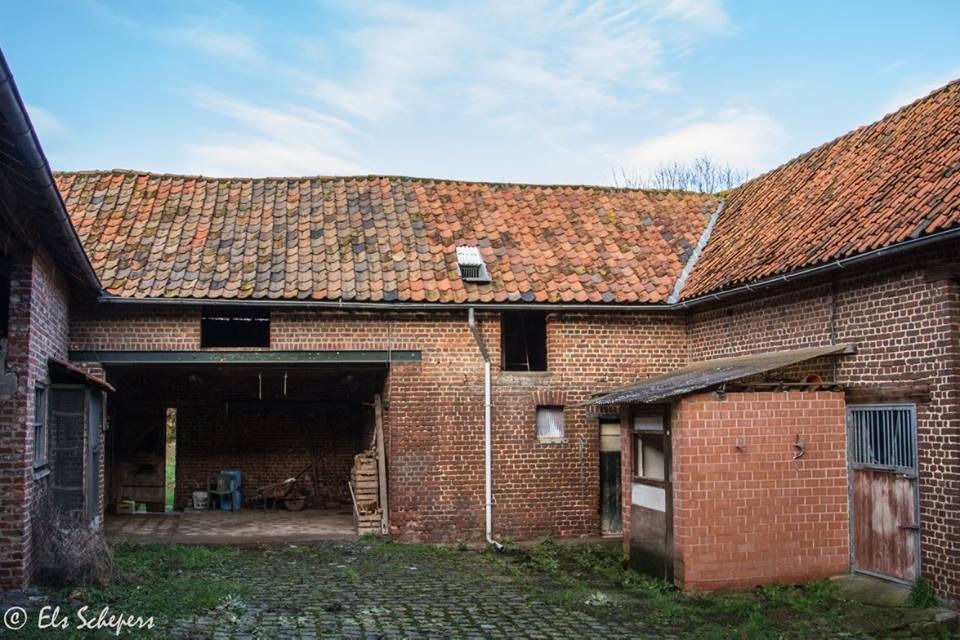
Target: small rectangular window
{"x":523,"y":340}
{"x":649,"y":462}
{"x":648,"y":454}
{"x":883,"y":436}
{"x":39,"y":426}
{"x":550,"y":423}
{"x":235,"y":327}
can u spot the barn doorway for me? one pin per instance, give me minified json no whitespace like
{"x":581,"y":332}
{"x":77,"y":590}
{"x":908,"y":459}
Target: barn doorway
{"x":178,"y":430}
{"x":611,"y":512}
{"x":885,"y":515}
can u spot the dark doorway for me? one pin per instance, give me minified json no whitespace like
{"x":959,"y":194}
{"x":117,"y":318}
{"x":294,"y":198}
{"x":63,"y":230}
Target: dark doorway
{"x":178,"y":427}
{"x":611,"y":514}
{"x":170,"y":470}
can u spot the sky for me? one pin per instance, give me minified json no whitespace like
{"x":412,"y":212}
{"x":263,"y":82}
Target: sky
{"x":559,"y":92}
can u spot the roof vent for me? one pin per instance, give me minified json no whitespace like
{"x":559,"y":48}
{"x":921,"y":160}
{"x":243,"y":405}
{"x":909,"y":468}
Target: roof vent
{"x":471,"y":266}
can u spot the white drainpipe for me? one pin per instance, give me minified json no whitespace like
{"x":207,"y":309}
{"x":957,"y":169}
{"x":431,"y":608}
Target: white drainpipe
{"x":487,"y":427}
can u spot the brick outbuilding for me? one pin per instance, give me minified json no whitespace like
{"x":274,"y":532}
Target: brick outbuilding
{"x":462,"y":333}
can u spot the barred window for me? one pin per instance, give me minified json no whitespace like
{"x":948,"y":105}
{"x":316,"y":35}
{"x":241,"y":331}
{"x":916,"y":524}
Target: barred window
{"x":883,"y":436}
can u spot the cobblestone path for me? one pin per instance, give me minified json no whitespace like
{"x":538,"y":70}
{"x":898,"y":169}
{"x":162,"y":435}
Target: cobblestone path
{"x":358,"y":590}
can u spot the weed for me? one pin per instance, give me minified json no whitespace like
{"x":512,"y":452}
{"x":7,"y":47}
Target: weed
{"x":922,"y":594}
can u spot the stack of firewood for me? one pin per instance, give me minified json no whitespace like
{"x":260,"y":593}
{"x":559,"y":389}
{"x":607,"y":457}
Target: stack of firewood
{"x":366,"y":493}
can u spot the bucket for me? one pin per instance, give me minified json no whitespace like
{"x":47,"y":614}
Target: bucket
{"x":200,"y":499}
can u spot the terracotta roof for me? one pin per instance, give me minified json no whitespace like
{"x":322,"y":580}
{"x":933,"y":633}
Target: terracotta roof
{"x":879,"y":185}
{"x":379,"y":238}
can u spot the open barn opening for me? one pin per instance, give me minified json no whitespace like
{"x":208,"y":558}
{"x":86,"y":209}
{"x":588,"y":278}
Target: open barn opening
{"x":258,"y":441}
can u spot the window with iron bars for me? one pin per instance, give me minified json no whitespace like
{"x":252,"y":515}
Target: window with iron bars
{"x":883,"y":436}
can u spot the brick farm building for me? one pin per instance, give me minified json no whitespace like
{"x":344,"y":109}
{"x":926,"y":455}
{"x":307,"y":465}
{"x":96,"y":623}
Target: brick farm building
{"x":757,"y":387}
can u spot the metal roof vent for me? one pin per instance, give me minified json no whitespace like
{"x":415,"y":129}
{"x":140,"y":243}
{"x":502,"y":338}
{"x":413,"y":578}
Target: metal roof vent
{"x":471,"y":266}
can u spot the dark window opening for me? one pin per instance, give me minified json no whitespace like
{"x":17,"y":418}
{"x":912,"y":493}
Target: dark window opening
{"x":235,"y":327}
{"x":523,"y":340}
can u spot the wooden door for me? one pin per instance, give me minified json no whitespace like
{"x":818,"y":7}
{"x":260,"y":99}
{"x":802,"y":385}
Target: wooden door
{"x":611,"y":512}
{"x":884,"y":502}
{"x":651,"y":494}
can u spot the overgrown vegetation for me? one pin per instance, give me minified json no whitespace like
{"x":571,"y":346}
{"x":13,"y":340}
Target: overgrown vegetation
{"x":72,"y":552}
{"x":922,"y":594}
{"x":167,"y":581}
{"x":581,"y":576}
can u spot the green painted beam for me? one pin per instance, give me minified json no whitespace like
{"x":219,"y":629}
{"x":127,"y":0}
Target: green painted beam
{"x":240,"y":357}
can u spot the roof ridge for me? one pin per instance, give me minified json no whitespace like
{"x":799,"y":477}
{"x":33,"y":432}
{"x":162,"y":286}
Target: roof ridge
{"x":524,"y":185}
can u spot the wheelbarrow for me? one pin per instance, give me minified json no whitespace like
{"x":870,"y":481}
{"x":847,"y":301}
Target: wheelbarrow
{"x":284,"y":492}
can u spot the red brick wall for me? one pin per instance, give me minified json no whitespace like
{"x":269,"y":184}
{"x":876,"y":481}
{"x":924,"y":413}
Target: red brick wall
{"x":266,"y":449}
{"x":434,"y":421}
{"x":759,"y":517}
{"x":905,"y":320}
{"x":37,"y":331}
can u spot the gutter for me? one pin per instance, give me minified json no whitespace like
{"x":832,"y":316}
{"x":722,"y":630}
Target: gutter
{"x":828,"y":267}
{"x":381,"y":306}
{"x":27,"y":143}
{"x":487,"y":430}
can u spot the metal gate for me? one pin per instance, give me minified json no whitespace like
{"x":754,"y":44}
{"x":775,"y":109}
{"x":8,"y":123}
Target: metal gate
{"x":885,"y":515}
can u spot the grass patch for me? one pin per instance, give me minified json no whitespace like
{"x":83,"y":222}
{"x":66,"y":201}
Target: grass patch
{"x":164,"y":581}
{"x":577,"y":573}
{"x":922,"y":595}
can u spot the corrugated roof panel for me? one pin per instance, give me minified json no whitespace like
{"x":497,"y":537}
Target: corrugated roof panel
{"x":709,"y":373}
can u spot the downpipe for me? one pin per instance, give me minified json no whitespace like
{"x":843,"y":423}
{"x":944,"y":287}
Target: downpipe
{"x":487,"y":428}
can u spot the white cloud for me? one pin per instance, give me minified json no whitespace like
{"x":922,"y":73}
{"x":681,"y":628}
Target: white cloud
{"x":275,"y":141}
{"x":45,"y":122}
{"x":399,"y":51}
{"x":709,"y":13}
{"x":233,"y":46}
{"x":550,"y":75}
{"x":259,"y":157}
{"x":551,"y":59}
{"x":739,"y":138}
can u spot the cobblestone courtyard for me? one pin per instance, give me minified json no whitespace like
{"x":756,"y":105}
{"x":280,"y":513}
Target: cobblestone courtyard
{"x":373,"y":589}
{"x":358,"y":590}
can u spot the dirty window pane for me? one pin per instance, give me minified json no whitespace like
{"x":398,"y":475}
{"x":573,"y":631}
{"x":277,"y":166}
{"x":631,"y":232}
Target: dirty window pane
{"x":39,"y":426}
{"x":650,"y":462}
{"x":549,"y":422}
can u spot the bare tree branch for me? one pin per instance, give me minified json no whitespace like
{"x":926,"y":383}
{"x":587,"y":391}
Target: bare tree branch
{"x":702,"y":175}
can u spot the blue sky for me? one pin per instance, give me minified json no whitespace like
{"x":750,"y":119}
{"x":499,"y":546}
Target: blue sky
{"x":546,"y":92}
